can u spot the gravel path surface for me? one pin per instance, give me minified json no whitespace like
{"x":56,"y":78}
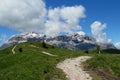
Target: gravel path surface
{"x":73,"y":68}
{"x":13,"y":49}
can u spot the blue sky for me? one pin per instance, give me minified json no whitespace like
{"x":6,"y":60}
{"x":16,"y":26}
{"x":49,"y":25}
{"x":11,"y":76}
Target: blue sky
{"x":105,"y":11}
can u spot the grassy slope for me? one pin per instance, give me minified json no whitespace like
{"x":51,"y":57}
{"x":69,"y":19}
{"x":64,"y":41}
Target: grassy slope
{"x":106,"y":66}
{"x":31,"y":64}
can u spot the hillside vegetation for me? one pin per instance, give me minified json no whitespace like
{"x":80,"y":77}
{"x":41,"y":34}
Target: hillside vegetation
{"x":105,"y":66}
{"x":29,"y":63}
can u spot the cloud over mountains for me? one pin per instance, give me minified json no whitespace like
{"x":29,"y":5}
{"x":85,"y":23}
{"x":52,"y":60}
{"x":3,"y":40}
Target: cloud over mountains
{"x":97,"y":30}
{"x":64,"y":19}
{"x":117,"y":45}
{"x":3,"y":38}
{"x":23,"y":15}
{"x":32,"y":15}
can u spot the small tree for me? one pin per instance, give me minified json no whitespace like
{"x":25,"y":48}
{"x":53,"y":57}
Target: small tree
{"x":86,"y":51}
{"x":20,"y":50}
{"x":52,"y":46}
{"x":44,"y":45}
{"x":98,"y":49}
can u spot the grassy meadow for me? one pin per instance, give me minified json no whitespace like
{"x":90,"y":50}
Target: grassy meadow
{"x":29,"y":63}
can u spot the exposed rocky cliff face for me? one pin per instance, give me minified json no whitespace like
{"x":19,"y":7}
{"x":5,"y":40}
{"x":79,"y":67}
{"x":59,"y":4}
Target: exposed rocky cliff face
{"x":70,"y":41}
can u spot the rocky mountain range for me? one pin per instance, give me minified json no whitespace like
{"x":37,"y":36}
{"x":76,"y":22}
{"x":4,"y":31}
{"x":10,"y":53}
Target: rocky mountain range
{"x":74,"y":41}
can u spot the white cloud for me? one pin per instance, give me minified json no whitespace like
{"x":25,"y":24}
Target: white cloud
{"x":117,"y":45}
{"x":23,"y":15}
{"x":3,"y":39}
{"x":64,"y":19}
{"x":97,"y":31}
{"x":32,"y":15}
{"x":72,"y":14}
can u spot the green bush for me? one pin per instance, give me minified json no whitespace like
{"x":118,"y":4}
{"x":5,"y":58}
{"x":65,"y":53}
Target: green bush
{"x":20,"y":50}
{"x":44,"y":45}
{"x":86,"y":51}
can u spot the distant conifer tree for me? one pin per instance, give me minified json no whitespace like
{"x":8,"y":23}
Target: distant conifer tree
{"x":86,"y":51}
{"x":98,"y":49}
{"x":20,"y":50}
{"x":44,"y":45}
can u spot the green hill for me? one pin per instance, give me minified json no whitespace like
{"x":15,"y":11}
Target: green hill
{"x":30,"y":63}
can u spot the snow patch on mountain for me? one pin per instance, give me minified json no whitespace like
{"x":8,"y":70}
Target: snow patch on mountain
{"x":77,"y":41}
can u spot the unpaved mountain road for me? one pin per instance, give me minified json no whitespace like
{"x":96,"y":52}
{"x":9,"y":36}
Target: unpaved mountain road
{"x":49,"y":54}
{"x":73,"y":68}
{"x":13,"y":49}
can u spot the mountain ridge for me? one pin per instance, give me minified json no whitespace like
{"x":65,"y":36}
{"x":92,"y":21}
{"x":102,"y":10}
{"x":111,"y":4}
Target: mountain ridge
{"x":74,"y":41}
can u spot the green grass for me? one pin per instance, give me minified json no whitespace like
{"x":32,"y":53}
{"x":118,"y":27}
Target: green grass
{"x":32,"y":64}
{"x":105,"y":65}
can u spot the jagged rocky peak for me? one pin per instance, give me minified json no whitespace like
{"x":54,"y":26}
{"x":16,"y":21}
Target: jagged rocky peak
{"x":24,"y":37}
{"x":29,"y":35}
{"x":73,"y":41}
{"x":79,"y":41}
{"x":81,"y":36}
